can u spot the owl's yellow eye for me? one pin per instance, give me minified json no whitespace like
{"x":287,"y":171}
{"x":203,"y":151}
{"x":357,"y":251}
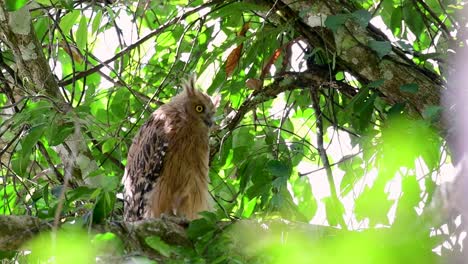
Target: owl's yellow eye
{"x":199,"y":108}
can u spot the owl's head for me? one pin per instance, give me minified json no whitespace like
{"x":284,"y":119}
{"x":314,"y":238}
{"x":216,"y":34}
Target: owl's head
{"x":198,"y":105}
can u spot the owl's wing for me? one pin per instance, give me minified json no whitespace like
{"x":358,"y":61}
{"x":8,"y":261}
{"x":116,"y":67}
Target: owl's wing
{"x":144,"y":165}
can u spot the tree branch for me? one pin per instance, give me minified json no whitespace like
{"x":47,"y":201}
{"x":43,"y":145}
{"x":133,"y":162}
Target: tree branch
{"x":138,"y":42}
{"x":324,"y":157}
{"x":286,"y":82}
{"x":359,"y":59}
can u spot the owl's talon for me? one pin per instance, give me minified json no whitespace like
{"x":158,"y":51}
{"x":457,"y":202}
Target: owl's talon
{"x":179,"y":220}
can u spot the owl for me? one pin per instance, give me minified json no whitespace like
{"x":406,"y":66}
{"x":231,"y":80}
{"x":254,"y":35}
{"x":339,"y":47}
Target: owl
{"x":167,"y":163}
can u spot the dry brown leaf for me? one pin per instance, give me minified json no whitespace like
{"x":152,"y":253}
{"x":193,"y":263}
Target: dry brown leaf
{"x":244,"y":29}
{"x":72,"y":51}
{"x":233,"y":59}
{"x":270,"y":62}
{"x":254,"y":84}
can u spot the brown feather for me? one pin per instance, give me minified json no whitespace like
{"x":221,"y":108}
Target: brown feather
{"x":167,"y":164}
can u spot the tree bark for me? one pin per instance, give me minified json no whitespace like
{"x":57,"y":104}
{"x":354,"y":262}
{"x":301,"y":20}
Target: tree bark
{"x":350,"y":46}
{"x":36,"y":80}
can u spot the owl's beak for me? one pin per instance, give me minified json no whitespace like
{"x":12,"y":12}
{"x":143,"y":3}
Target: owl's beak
{"x":208,"y":121}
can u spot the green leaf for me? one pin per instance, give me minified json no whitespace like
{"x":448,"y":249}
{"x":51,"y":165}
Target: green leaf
{"x":395,"y":22}
{"x":20,"y":161}
{"x":396,"y":109}
{"x":334,"y":22}
{"x":41,"y":26}
{"x":119,"y":106}
{"x":278,"y":168}
{"x":409,"y":88}
{"x":365,"y":113}
{"x":362,"y":17}
{"x":382,"y":48}
{"x":28,"y":143}
{"x":109,"y":145}
{"x":249,"y":206}
{"x":104,"y":206}
{"x":376,"y":84}
{"x":7,"y":199}
{"x":108,"y":242}
{"x":58,"y":131}
{"x":20,"y":164}
{"x":306,"y":202}
{"x":68,"y":4}
{"x":4,"y":255}
{"x":82,"y":34}
{"x":253,"y":170}
{"x":334,"y":211}
{"x":67,"y":22}
{"x":47,"y":2}
{"x":410,"y":192}
{"x":432,"y":112}
{"x":373,"y":204}
{"x":353,"y":172}
{"x":413,"y":19}
{"x":82,"y":193}
{"x":242,"y":138}
{"x":45,"y":194}
{"x":13,"y":5}
{"x":235,"y":9}
{"x":159,"y":245}
{"x":96,"y":21}
{"x":199,"y":228}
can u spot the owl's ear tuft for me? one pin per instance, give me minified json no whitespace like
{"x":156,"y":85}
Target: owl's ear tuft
{"x":189,"y":85}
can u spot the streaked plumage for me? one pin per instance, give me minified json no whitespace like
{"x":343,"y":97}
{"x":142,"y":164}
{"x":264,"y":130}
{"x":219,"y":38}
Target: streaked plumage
{"x":167,"y":164}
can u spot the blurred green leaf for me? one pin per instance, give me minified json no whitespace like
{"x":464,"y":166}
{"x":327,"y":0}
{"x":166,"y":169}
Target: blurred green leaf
{"x":108,"y":243}
{"x":396,"y":21}
{"x":278,"y":168}
{"x":409,"y":88}
{"x":96,"y":22}
{"x":58,"y":131}
{"x":382,"y":48}
{"x":432,"y":112}
{"x":373,"y":204}
{"x":67,"y":21}
{"x":82,"y":34}
{"x":334,"y":211}
{"x":307,"y":204}
{"x":13,"y":5}
{"x":199,"y":228}
{"x":353,"y":173}
{"x":104,"y":206}
{"x":8,"y":200}
{"x":67,"y":246}
{"x":362,"y":17}
{"x":413,"y":19}
{"x":159,"y":245}
{"x":336,"y":21}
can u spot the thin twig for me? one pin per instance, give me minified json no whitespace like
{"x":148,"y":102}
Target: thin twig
{"x":45,"y":154}
{"x":323,"y":155}
{"x":139,"y":42}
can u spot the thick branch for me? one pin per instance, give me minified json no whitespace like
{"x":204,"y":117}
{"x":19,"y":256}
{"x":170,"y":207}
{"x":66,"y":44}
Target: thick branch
{"x":350,"y":46}
{"x":15,"y":231}
{"x":247,"y":237}
{"x":17,"y":31}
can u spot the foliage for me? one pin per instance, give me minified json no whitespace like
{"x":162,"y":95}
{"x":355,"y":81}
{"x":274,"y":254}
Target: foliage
{"x":265,"y":165}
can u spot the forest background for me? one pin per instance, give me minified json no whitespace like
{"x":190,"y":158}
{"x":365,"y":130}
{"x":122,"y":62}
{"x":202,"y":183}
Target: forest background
{"x":339,"y":133}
